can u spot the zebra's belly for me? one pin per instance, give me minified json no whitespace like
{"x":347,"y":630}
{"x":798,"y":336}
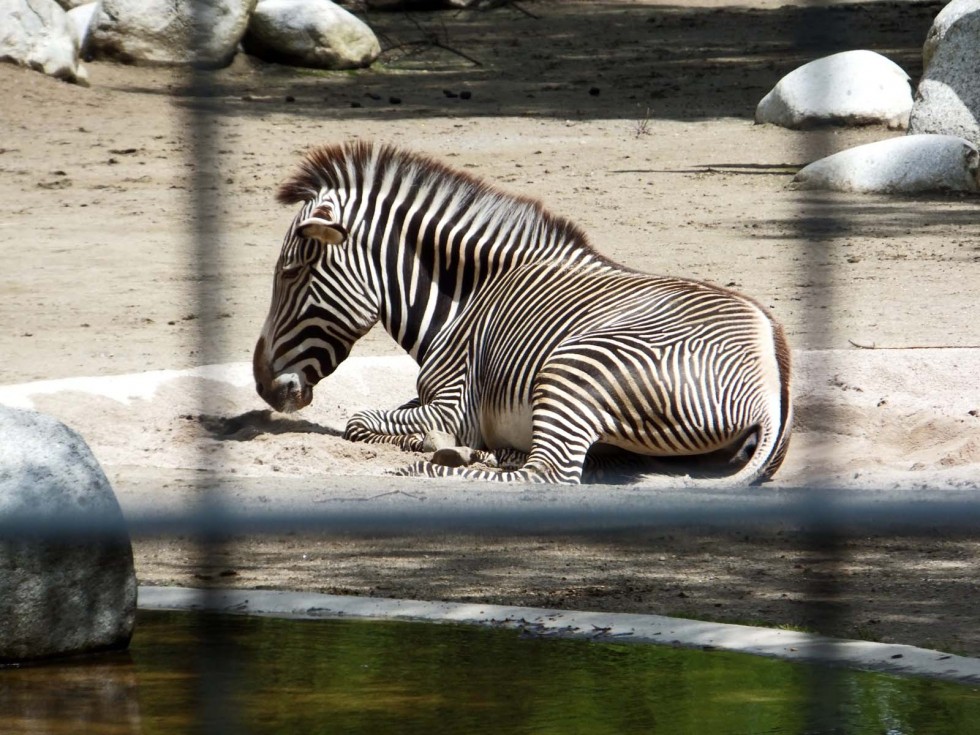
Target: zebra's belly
{"x":507,"y":428}
{"x":651,"y":445}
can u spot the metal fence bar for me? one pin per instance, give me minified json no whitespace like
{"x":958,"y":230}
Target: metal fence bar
{"x":462,"y":509}
{"x":818,"y":30}
{"x":218,"y":676}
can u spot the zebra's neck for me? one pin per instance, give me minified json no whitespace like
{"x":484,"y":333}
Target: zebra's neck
{"x":435,"y":247}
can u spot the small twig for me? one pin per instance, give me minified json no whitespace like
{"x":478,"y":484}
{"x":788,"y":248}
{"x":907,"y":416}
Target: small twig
{"x":873,"y":346}
{"x":524,"y":10}
{"x":434,"y":44}
{"x":642,"y":126}
{"x":432,"y":38}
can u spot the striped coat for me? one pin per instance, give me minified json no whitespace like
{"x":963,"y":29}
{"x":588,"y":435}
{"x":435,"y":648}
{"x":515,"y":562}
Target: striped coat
{"x":532,"y":346}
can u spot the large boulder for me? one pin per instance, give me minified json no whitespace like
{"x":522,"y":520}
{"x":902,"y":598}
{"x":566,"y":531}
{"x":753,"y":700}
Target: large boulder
{"x":946,"y":17}
{"x":849,"y":88}
{"x":906,"y":165}
{"x":312,"y":33}
{"x":172,"y":32}
{"x":948,"y":98}
{"x":38,"y":34}
{"x":63,"y":590}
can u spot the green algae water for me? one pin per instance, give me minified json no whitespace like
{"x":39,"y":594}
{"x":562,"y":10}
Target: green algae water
{"x":188,"y":673}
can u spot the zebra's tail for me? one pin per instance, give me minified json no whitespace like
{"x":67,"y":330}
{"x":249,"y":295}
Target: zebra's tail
{"x":772,"y":462}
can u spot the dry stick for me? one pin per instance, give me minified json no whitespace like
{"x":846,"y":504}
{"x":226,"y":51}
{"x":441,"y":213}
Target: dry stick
{"x":435,"y":44}
{"x":501,"y":4}
{"x":524,"y":10}
{"x":432,"y":40}
{"x":914,"y":347}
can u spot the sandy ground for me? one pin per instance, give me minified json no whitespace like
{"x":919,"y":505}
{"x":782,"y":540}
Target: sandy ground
{"x":634,"y":119}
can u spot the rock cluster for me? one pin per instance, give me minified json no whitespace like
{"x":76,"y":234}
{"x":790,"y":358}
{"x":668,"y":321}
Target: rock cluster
{"x":53,"y":35}
{"x":948,"y":98}
{"x":939,"y":153}
{"x":67,"y":582}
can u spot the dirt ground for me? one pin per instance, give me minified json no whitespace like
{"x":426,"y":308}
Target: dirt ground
{"x":635,"y":119}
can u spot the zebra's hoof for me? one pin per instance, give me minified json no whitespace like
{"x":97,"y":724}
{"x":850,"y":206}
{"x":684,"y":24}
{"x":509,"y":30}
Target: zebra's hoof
{"x":454,"y":457}
{"x":435,"y":440}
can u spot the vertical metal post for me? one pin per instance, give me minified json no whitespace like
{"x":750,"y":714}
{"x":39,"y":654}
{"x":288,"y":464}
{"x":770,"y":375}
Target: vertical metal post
{"x":216,"y":680}
{"x":817,"y":32}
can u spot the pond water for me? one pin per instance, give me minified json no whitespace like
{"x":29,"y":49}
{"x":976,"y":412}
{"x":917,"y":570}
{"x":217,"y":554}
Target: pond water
{"x":189,"y":673}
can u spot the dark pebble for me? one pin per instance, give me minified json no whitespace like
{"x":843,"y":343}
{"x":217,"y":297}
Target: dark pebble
{"x":395,"y":100}
{"x":465,"y":94}
{"x":290,"y":98}
{"x":450,"y":94}
{"x":594,"y":91}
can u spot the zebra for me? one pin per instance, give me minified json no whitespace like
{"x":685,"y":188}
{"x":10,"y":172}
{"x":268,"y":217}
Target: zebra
{"x":533,"y":348}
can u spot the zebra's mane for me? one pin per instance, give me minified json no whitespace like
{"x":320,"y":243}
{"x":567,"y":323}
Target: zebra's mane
{"x":354,"y":163}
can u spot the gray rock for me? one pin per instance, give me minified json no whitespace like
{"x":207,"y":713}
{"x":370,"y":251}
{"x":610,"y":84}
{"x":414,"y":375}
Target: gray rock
{"x":312,"y":33}
{"x":172,"y":32}
{"x":60,"y":594}
{"x":39,"y":35}
{"x":948,"y":98}
{"x":908,"y":165}
{"x":942,"y":22}
{"x":849,"y":88}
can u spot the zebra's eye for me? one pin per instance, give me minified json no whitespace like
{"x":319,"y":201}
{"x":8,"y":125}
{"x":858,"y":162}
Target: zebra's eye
{"x":290,"y":271}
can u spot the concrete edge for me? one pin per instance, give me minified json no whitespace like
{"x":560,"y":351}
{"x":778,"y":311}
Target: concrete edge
{"x":595,"y":626}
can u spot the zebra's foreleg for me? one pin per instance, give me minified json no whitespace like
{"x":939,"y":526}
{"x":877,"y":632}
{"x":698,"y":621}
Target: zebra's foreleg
{"x":447,"y":451}
{"x":406,"y":427}
{"x":452,"y":455}
{"x":532,"y":472}
{"x":561,"y":443}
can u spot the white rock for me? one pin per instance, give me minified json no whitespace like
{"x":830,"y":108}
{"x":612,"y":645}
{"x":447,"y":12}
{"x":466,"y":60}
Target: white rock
{"x":162,"y":32}
{"x":948,"y":98}
{"x":84,"y":18}
{"x":907,"y":165}
{"x":849,"y":88}
{"x":38,"y":34}
{"x":59,"y":595}
{"x":313,"y":33}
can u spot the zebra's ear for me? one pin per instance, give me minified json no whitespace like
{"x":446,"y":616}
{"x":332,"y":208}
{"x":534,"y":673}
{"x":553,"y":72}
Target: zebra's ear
{"x":321,"y":230}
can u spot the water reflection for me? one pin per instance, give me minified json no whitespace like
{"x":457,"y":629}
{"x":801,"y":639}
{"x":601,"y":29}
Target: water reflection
{"x":97,"y":694}
{"x":328,"y":677}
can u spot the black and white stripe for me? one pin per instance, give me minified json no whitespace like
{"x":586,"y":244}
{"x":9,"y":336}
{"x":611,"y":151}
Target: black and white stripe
{"x":527,"y":338}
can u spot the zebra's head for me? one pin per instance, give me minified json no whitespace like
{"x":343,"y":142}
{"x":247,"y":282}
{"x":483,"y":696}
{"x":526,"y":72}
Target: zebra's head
{"x":319,"y":307}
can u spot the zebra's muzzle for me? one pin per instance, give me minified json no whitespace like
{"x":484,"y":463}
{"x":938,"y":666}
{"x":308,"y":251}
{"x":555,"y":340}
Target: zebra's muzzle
{"x":286,"y":393}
